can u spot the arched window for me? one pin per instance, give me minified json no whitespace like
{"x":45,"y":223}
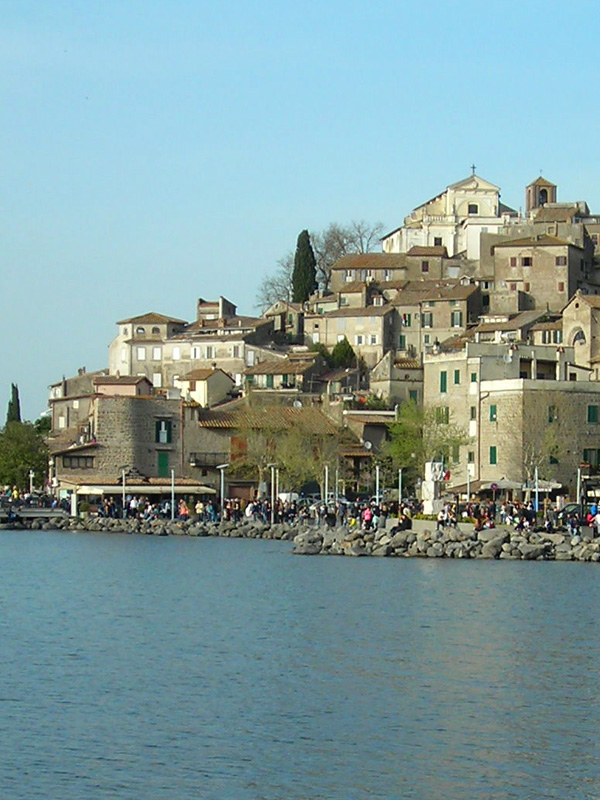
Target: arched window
{"x":579,"y":337}
{"x":155,"y":329}
{"x":543,"y":197}
{"x":140,"y":329}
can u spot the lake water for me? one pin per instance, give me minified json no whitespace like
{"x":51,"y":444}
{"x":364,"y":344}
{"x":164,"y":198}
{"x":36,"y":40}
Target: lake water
{"x":140,"y":668}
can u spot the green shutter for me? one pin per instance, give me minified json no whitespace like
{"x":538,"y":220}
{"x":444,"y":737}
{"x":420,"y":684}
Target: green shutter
{"x":456,"y":376}
{"x":592,"y":414}
{"x":493,"y":413}
{"x":163,"y":465}
{"x":493,"y":455}
{"x":443,"y":381}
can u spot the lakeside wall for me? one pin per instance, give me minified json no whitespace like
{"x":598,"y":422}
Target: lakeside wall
{"x":423,"y":541}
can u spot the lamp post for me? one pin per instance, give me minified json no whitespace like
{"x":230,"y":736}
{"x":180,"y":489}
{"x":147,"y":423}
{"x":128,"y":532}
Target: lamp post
{"x":399,"y":488}
{"x":31,"y":477}
{"x":172,"y":495}
{"x":326,"y":487}
{"x":377,"y":485}
{"x":123,"y":495}
{"x":222,"y":468}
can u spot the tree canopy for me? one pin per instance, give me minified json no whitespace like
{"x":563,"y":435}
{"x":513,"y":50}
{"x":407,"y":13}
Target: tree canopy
{"x":304,"y":276}
{"x":343,"y":354}
{"x":22,"y":449}
{"x":420,"y":435}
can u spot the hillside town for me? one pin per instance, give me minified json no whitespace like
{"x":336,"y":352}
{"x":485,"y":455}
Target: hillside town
{"x":487,"y":316}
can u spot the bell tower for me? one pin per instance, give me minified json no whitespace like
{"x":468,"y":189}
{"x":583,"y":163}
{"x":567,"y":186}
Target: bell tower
{"x":538,"y":194}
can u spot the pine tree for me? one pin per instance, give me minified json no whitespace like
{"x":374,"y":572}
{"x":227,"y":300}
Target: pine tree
{"x":343,"y":355}
{"x":13,"y":413}
{"x":304,"y":277}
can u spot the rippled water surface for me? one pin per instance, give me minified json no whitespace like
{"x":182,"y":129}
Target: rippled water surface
{"x":144,"y":668}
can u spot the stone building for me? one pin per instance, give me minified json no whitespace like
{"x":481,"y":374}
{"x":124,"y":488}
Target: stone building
{"x":523,"y":406}
{"x":369,"y":330}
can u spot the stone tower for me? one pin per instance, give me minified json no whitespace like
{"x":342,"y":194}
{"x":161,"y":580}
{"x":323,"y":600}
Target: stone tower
{"x":538,"y":194}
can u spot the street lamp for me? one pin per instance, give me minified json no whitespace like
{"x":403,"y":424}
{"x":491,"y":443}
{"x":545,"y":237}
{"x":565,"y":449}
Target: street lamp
{"x":274,"y":480}
{"x":222,"y":468}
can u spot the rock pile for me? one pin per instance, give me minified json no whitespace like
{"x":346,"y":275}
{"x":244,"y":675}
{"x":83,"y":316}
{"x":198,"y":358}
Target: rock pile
{"x":503,"y":543}
{"x":421,"y":542}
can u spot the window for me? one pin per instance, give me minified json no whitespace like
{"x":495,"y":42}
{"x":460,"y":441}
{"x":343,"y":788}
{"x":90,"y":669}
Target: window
{"x":269,"y":381}
{"x":426,"y":338}
{"x":359,"y":338}
{"x":443,"y":381}
{"x":560,"y":261}
{"x":157,"y":379}
{"x":442,"y":415}
{"x":471,"y":457}
{"x":349,"y":275}
{"x":176,"y":353}
{"x":526,"y":261}
{"x":561,"y":286}
{"x":473,"y":208}
{"x":591,"y":457}
{"x":493,"y":413}
{"x":125,"y":331}
{"x":557,"y":337}
{"x":513,"y":261}
{"x":387,"y":275}
{"x":473,"y":413}
{"x":141,"y":353}
{"x":493,"y":454}
{"x":163,"y":431}
{"x":427,"y":319}
{"x":473,"y":377}
{"x":437,"y":241}
{"x":526,"y":287}
{"x":75,"y":403}
{"x":156,"y":353}
{"x":155,"y":329}
{"x":210,"y":351}
{"x":340,"y":337}
{"x":552,"y":414}
{"x":196,"y":351}
{"x":402,"y":342}
{"x":455,"y":453}
{"x":406,"y":320}
{"x":373,"y":338}
{"x":513,"y":287}
{"x":140,"y":329}
{"x":456,"y":318}
{"x":78,"y":462}
{"x":413,"y":395}
{"x":592,"y":415}
{"x":424,"y":266}
{"x":456,"y":377}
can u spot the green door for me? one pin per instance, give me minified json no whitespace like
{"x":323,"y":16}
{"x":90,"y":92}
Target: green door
{"x":163,"y":465}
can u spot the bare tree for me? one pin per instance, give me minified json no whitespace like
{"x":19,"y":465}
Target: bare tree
{"x":277,"y":286}
{"x":329,"y":246}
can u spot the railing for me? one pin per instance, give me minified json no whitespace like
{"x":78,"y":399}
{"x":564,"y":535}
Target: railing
{"x":208,"y":459}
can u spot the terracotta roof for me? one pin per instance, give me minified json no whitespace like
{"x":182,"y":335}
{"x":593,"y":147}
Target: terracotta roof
{"x":200,"y":374}
{"x":121,"y":380}
{"x":227,"y":323}
{"x":278,"y":417}
{"x":560,"y":214}
{"x":364,"y":311}
{"x":281,"y":366}
{"x":152,"y":318}
{"x":408,"y":363}
{"x":542,"y":182}
{"x":370,"y":419}
{"x":436,"y":251}
{"x":415,"y":292}
{"x":513,"y":324}
{"x":555,"y":324}
{"x":543,"y":240}
{"x":338,"y":374}
{"x":371,"y":261}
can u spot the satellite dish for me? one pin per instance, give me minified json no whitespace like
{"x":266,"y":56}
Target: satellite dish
{"x":297,"y":404}
{"x":367,"y":445}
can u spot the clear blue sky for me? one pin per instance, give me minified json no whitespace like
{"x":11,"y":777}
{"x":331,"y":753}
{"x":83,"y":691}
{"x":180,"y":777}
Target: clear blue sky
{"x":154,"y":152}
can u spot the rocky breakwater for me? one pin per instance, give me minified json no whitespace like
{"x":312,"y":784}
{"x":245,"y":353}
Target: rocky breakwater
{"x":462,"y":542}
{"x":159,"y":527}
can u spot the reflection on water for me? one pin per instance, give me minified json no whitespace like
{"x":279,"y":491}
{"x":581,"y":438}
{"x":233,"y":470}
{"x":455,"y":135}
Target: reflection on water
{"x":140,"y":667}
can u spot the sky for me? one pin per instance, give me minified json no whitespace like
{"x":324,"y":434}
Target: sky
{"x":155,"y":152}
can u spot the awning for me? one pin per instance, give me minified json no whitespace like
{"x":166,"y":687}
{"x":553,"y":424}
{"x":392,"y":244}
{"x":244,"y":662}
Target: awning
{"x":102,"y":489}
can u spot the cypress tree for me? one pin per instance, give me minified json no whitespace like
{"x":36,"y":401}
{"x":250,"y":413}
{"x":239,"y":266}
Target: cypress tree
{"x":13,"y":413}
{"x":304,"y":276}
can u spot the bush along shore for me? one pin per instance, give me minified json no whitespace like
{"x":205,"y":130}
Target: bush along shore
{"x":422,"y":541}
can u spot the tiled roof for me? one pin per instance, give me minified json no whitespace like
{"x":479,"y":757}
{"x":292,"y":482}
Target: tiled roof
{"x":278,"y":417}
{"x":371,"y":261}
{"x":543,"y":240}
{"x":415,"y":292}
{"x":436,"y":251}
{"x":282,"y":366}
{"x":200,"y":374}
{"x":542,"y":182}
{"x":560,"y":214}
{"x":408,"y":363}
{"x":152,"y":318}
{"x":364,"y":311}
{"x":228,"y":323}
{"x":120,"y":380}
